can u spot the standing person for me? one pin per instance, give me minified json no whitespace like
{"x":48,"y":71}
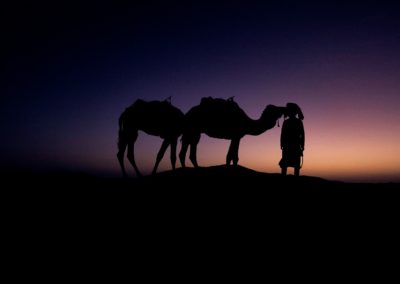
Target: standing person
{"x":292,"y":139}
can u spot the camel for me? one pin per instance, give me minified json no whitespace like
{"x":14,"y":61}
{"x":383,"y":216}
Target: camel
{"x":224,"y":119}
{"x":157,"y":118}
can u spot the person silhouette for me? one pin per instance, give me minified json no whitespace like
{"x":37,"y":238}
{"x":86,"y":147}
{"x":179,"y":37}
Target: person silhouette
{"x":292,"y":139}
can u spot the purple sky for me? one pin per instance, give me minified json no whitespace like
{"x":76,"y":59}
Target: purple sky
{"x":71,"y":70}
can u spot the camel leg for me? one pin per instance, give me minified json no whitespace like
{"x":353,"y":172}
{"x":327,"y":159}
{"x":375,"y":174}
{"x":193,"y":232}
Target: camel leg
{"x":131,"y":153}
{"x":229,"y":154}
{"x":160,"y":154}
{"x":120,"y":155}
{"x":297,"y":171}
{"x":193,"y":150}
{"x":233,"y":153}
{"x":174,"y":142}
{"x":182,"y":153}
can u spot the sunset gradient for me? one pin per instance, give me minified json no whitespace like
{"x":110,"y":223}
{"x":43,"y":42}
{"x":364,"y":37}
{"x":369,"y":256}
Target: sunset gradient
{"x":68,"y":82}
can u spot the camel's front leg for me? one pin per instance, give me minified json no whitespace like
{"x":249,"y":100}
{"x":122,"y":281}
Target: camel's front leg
{"x":182,"y":153}
{"x":233,"y":152}
{"x":160,"y":154}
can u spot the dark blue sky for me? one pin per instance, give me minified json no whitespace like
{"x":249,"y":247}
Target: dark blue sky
{"x":70,"y":69}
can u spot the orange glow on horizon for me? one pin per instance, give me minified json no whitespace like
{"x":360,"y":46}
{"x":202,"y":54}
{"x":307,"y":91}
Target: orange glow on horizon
{"x":360,"y":155}
{"x":340,"y":149}
{"x":347,"y":137}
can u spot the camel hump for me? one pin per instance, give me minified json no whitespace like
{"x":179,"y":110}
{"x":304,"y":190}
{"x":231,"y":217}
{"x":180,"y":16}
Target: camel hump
{"x":219,"y":102}
{"x":138,"y":103}
{"x":141,"y":108}
{"x":142,"y":104}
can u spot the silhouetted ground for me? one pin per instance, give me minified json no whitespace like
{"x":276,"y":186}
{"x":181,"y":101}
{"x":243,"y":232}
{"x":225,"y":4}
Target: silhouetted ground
{"x":217,"y":184}
{"x":212,"y":205}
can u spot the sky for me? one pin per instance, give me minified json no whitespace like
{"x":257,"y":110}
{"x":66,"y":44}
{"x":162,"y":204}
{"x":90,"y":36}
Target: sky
{"x":69,"y":70}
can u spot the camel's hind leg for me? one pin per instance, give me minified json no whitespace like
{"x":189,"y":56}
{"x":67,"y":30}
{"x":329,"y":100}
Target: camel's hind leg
{"x":122,"y":143}
{"x":193,"y":149}
{"x":160,"y":154}
{"x":131,"y":152}
{"x":174,"y":142}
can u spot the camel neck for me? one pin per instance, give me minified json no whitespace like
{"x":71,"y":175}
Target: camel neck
{"x":259,"y":126}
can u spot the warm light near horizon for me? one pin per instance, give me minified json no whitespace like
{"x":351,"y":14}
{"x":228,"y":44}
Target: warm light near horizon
{"x":352,"y":130}
{"x":351,"y":145}
{"x":348,"y":154}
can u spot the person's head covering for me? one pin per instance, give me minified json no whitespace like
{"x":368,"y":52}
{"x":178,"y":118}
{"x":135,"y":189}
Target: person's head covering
{"x":293,"y":109}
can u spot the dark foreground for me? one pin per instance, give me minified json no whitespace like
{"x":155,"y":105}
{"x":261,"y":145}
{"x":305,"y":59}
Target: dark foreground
{"x":218,"y":186}
{"x":197,"y":208}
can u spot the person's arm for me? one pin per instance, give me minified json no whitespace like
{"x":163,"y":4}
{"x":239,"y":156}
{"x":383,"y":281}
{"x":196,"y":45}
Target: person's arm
{"x":283,"y":134}
{"x":302,"y":135}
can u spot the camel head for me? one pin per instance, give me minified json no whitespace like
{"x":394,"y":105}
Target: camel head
{"x":271,"y":114}
{"x":293,"y":109}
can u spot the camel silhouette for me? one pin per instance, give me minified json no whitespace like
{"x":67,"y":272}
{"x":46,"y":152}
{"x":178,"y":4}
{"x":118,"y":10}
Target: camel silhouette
{"x":157,"y":118}
{"x":223,"y":119}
